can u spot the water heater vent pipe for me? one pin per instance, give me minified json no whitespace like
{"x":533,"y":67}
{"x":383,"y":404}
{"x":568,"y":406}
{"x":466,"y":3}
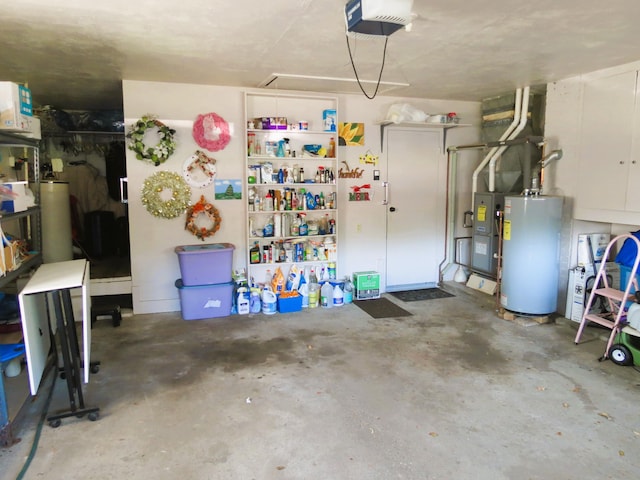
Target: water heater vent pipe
{"x":523,"y":122}
{"x":487,"y":158}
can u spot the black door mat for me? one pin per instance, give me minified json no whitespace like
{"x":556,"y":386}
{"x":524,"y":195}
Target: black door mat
{"x":382,"y":308}
{"x":421,"y":294}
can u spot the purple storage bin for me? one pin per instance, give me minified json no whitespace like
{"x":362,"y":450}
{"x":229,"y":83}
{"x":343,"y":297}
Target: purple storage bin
{"x":205,"y":264}
{"x":205,"y":301}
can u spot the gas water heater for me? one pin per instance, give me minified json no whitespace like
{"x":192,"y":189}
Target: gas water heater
{"x":531,"y":254}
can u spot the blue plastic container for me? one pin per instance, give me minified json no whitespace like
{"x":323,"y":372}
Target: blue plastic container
{"x":290,"y":304}
{"x":625,"y":272}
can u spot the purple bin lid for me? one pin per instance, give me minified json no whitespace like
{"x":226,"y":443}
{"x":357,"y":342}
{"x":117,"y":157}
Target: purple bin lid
{"x":202,"y":248}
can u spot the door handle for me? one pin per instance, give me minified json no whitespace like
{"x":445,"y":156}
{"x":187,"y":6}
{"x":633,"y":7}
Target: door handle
{"x":123,"y":190}
{"x":392,"y":209}
{"x":385,"y":185}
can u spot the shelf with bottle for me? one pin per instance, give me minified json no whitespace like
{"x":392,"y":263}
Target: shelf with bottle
{"x":297,"y":132}
{"x":287,"y":238}
{"x":292,"y":225}
{"x":291,"y":181}
{"x":271,"y":212}
{"x":271,"y":173}
{"x":293,"y":251}
{"x":276,"y":145}
{"x":288,"y":199}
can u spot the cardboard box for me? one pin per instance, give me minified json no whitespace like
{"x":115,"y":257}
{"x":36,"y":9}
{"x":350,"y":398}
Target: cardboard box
{"x":366,"y":285}
{"x":482,"y":284}
{"x":14,"y":95}
{"x":15,"y":107}
{"x":10,"y":255}
{"x":33,"y":128}
{"x":329,"y":120}
{"x":272,"y":123}
{"x":21,"y":124}
{"x":599,"y":242}
{"x":21,"y":202}
{"x":581,"y":281}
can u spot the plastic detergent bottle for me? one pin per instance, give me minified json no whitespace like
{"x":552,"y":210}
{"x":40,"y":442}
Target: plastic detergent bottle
{"x":269,"y":300}
{"x":314,"y":292}
{"x":255,"y":304}
{"x":254,"y":254}
{"x":326,"y":295}
{"x":332,"y":270}
{"x":268,"y":202}
{"x":304,"y":292}
{"x":338,"y":296}
{"x":243,"y":301}
{"x":348,"y":290}
{"x":303,"y":229}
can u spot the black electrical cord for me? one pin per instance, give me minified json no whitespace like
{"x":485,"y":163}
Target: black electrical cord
{"x":384,"y":54}
{"x":36,"y":438}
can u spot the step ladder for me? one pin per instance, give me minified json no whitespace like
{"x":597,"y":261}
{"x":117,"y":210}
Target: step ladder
{"x":615,"y":317}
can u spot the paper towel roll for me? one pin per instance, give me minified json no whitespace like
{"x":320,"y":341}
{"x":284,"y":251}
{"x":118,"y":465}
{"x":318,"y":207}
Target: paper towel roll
{"x":57,"y":243}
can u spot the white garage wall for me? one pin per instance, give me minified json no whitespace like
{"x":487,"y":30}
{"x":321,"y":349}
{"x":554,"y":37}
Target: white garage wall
{"x":562,"y":130}
{"x":154,"y":264}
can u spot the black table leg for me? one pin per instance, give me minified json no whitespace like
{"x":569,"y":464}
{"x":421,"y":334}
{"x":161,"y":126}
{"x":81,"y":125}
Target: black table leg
{"x":69,"y":346}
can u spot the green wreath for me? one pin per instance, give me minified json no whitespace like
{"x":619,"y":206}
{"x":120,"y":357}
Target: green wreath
{"x":161,"y":151}
{"x":156,"y":184}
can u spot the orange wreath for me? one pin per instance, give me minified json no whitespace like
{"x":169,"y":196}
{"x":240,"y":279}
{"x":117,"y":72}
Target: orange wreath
{"x":211,"y":212}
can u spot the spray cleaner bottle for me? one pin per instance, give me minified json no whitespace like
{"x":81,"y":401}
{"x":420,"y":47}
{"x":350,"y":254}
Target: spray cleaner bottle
{"x":348,"y":290}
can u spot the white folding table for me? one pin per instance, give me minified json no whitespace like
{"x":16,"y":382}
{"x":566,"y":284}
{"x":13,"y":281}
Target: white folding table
{"x":53,"y":282}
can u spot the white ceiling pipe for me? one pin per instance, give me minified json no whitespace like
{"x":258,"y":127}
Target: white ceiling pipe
{"x":523,"y":121}
{"x":507,"y":132}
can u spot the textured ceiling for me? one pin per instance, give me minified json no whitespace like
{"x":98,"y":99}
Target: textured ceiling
{"x":74,"y":53}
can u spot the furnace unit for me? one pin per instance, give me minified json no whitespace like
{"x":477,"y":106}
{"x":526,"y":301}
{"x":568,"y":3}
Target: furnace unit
{"x":485,"y":232}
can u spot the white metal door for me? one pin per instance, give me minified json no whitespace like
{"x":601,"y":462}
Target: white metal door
{"x":416,"y":174}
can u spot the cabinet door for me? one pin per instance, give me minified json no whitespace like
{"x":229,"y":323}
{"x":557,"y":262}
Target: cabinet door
{"x":607,"y":131}
{"x":633,"y":179}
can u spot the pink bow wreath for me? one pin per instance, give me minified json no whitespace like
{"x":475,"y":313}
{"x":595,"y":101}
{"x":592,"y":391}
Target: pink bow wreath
{"x":211,"y":131}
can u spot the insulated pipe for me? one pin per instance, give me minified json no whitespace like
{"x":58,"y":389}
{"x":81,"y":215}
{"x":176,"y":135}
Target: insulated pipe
{"x":450,"y":207}
{"x":507,"y":132}
{"x":554,"y":155}
{"x":544,"y":162}
{"x":523,"y":121}
{"x":452,"y":175}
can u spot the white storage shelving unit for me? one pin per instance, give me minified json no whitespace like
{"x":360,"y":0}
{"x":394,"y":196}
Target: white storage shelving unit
{"x":286,"y":247}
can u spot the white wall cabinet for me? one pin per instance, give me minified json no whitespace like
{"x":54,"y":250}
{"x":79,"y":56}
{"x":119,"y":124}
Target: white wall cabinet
{"x":609,"y":167}
{"x":292,"y":194}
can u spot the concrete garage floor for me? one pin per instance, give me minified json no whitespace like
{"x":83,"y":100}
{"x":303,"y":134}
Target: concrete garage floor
{"x":450,"y":392}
